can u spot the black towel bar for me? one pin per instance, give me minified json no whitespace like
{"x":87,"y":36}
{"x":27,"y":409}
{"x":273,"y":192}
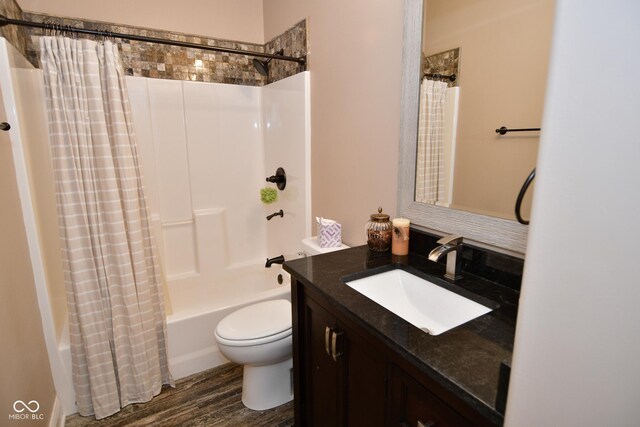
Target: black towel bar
{"x":504,"y":130}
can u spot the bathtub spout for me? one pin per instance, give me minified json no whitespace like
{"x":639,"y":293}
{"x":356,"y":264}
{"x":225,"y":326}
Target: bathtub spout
{"x":275,"y":260}
{"x":280,"y":213}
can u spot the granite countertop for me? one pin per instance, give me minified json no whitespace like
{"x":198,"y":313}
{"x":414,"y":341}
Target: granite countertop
{"x":465,"y":360}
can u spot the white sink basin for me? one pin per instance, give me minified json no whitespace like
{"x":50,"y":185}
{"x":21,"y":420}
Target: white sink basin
{"x":423,"y":304}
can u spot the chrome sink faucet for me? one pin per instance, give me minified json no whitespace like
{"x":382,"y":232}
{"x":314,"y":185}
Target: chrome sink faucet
{"x":451,"y":246}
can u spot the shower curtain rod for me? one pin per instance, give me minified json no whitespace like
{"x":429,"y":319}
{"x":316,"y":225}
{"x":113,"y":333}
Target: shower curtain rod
{"x":69,"y":29}
{"x":452,"y":77}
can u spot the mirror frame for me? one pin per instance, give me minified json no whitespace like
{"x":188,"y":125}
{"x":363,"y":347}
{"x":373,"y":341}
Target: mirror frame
{"x":496,"y":233}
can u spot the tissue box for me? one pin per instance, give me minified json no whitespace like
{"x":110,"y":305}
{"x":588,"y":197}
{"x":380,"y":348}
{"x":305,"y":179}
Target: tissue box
{"x":329,"y":233}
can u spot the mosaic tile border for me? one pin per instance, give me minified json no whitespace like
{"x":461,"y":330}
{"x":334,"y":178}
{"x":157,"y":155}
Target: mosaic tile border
{"x":145,"y":59}
{"x":15,"y":35}
{"x":294,"y":43}
{"x":447,"y":63}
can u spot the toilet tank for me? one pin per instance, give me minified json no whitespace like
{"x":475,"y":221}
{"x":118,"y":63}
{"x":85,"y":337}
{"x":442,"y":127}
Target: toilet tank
{"x":310,"y":246}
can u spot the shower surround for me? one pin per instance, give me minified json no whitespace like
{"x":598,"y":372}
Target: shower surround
{"x":206,"y":149}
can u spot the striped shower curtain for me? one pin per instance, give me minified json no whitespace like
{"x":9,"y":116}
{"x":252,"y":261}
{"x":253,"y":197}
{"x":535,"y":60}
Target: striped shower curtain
{"x":430,"y":154}
{"x":117,"y":323}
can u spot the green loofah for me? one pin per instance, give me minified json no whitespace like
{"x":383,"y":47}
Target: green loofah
{"x":268,"y":195}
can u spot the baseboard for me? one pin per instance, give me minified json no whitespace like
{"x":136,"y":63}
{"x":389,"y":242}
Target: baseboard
{"x":58,"y":417}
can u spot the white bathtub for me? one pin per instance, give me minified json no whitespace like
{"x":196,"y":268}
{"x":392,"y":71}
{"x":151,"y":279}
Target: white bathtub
{"x":197,"y":309}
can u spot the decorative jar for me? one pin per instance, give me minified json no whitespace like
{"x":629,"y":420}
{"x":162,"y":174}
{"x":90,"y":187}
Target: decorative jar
{"x":379,"y":230}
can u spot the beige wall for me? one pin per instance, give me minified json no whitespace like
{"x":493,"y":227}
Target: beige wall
{"x":355,"y":58}
{"x":504,"y":50}
{"x":226,"y":19}
{"x":279,"y":15}
{"x":24,"y":365}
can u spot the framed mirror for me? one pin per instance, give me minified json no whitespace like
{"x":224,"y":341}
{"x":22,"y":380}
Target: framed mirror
{"x":501,"y":75}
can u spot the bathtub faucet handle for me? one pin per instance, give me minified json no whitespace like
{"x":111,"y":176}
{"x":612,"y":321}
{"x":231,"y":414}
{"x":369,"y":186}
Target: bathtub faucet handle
{"x":275,"y":260}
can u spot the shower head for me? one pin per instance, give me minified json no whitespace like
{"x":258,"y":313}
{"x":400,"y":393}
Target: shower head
{"x":262,"y":66}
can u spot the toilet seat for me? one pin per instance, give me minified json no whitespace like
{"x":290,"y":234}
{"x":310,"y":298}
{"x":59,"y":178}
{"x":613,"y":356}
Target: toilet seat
{"x":256,"y":341}
{"x":256,"y":324}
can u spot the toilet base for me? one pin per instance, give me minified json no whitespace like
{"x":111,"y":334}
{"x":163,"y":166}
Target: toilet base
{"x":267,"y":386}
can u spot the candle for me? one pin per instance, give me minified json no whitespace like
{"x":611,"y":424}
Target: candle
{"x":400,"y":239}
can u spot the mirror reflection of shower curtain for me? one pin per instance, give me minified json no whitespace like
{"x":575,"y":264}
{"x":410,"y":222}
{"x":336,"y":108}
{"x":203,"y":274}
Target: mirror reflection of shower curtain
{"x":430,"y":167}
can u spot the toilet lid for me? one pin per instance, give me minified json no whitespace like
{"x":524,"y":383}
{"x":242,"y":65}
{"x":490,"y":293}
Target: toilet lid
{"x":256,"y":321}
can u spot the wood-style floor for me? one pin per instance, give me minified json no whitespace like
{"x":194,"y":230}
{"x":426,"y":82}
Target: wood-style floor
{"x":210,"y":398}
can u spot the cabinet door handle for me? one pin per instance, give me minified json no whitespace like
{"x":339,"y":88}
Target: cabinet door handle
{"x":327,"y":339}
{"x":334,"y":346}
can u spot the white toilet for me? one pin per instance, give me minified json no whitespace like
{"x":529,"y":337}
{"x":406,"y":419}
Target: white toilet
{"x":258,"y":336}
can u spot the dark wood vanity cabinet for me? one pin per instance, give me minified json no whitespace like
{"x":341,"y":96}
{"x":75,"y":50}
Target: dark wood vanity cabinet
{"x":343,"y":376}
{"x":343,"y":381}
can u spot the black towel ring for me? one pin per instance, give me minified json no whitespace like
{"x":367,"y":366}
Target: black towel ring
{"x":523,"y":191}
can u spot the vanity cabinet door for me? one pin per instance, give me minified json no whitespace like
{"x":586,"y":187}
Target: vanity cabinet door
{"x":366,"y":381}
{"x":412,"y":405}
{"x":322,"y":375}
{"x":343,"y":381}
